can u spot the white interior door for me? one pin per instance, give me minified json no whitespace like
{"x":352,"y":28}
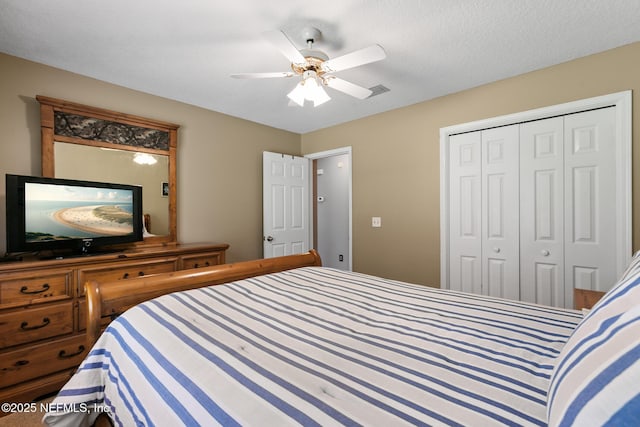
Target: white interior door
{"x":542,"y":212}
{"x":285,"y":193}
{"x":500,"y":212}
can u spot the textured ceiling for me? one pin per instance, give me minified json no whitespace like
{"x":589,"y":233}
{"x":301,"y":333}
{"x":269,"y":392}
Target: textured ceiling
{"x":187,"y":50}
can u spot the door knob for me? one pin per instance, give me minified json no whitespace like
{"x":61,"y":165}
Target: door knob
{"x":496,"y":250}
{"x":545,"y":252}
{"x":269,"y":239}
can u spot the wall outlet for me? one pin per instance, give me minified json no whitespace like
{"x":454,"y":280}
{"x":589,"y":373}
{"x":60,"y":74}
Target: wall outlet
{"x":376,"y":221}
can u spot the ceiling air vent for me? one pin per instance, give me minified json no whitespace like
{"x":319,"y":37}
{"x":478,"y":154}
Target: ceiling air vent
{"x":377,"y":90}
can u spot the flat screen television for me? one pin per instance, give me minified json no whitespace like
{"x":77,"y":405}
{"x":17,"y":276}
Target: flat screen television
{"x":63,"y":215}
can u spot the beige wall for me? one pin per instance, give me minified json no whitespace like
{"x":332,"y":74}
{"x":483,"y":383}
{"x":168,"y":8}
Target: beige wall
{"x":219,"y":157}
{"x":396,"y":157}
{"x":395,"y":154}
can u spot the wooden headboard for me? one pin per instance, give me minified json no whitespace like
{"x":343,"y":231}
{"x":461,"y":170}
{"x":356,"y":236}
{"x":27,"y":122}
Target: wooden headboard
{"x":110,"y":299}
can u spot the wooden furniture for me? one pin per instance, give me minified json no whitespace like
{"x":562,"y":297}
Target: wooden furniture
{"x":43,"y":309}
{"x":584,"y":298}
{"x":146,"y":218}
{"x":68,"y":127}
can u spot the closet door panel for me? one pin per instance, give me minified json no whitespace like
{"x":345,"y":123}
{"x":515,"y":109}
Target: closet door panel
{"x":539,"y":208}
{"x":465,"y":255}
{"x":542,"y":212}
{"x":590,"y":209}
{"x":500,"y":225}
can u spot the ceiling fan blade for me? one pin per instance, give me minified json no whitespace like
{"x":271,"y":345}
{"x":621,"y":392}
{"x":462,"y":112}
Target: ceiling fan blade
{"x":263,"y":75}
{"x":348,"y":87}
{"x":354,"y":59}
{"x":288,"y":49}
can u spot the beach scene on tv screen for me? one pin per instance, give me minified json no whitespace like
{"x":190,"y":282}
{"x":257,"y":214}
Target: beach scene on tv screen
{"x":61,"y":212}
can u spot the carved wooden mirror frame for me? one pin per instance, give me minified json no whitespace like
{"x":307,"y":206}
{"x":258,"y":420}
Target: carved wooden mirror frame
{"x":117,"y":131}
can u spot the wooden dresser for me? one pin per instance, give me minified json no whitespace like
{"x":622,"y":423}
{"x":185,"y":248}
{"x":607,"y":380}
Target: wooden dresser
{"x":43,"y":310}
{"x":584,"y":298}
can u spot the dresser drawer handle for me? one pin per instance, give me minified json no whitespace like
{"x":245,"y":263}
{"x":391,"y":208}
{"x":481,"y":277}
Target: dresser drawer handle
{"x":25,"y":290}
{"x":206,"y":264}
{"x":25,"y":325}
{"x":125,"y":276}
{"x":21,"y":363}
{"x":63,"y":354}
{"x":140,"y":273}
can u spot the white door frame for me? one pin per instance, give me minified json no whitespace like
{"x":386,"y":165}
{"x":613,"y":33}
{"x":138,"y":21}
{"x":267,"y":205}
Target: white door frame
{"x":622,"y":102}
{"x":322,"y":155}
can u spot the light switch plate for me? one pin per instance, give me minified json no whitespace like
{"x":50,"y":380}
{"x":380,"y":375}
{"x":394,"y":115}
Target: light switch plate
{"x":376,"y":221}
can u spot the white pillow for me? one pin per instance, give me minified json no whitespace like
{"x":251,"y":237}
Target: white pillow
{"x":596,"y":380}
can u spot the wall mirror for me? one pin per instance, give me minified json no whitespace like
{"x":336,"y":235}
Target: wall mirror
{"x":93,"y":144}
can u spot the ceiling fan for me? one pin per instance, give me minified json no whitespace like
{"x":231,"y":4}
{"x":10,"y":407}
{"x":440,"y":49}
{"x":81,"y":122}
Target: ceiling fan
{"x":316,"y":68}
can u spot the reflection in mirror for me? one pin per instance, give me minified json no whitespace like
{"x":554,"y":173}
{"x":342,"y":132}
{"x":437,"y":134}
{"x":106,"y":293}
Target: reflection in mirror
{"x":151,"y":171}
{"x":74,"y":139}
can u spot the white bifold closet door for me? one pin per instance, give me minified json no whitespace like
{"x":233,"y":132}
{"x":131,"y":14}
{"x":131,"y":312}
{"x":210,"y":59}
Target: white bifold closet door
{"x":542,"y":212}
{"x":500,"y":220}
{"x":533,"y":208}
{"x":567,"y":206}
{"x":465,"y":217}
{"x":484,"y":212}
{"x":590,"y":210}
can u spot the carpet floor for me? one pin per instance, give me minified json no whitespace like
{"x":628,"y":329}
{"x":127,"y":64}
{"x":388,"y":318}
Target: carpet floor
{"x":25,"y":419}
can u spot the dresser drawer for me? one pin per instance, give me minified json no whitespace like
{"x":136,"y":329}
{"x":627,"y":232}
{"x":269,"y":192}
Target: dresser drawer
{"x":42,"y":359}
{"x":32,"y":324}
{"x":35,"y":287}
{"x":585,"y":298}
{"x":202,"y":260}
{"x":123,"y":271}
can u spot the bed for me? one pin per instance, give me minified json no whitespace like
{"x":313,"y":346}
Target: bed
{"x":306,"y":345}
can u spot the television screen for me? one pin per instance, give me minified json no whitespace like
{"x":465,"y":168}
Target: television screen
{"x":49,"y":213}
{"x":55,"y":212}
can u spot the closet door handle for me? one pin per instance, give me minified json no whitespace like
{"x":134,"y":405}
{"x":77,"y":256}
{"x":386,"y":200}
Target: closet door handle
{"x":496,"y":250}
{"x":545,"y":252}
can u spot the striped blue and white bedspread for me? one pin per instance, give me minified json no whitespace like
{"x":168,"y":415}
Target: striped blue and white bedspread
{"x":317,"y":346}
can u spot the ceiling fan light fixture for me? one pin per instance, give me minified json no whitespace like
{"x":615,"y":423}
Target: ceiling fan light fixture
{"x":321,"y":97}
{"x":310,"y":89}
{"x":316,"y":67}
{"x":144,"y":159}
{"x":297,"y":94}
